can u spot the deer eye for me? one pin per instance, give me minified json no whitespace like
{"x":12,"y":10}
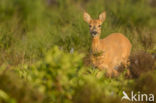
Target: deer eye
{"x":99,"y":25}
{"x":90,"y":26}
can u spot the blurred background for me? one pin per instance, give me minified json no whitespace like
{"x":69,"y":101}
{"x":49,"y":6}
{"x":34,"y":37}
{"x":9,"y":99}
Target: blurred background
{"x":44,"y":46}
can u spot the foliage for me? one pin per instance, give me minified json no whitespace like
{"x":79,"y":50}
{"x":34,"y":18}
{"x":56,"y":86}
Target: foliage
{"x":43,"y":44}
{"x":140,"y":63}
{"x":63,"y":78}
{"x":14,"y":90}
{"x":57,"y":73}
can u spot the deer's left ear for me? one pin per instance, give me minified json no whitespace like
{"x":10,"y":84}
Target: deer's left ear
{"x":102,"y":16}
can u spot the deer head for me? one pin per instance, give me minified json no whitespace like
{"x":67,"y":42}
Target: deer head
{"x":94,"y":24}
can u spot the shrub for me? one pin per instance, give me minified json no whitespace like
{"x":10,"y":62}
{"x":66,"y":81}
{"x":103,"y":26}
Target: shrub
{"x":15,"y":90}
{"x":62,"y":77}
{"x":56,"y":74}
{"x":140,"y":63}
{"x":146,"y":83}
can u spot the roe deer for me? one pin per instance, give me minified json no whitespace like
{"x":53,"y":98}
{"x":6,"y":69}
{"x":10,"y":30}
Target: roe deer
{"x":110,"y":52}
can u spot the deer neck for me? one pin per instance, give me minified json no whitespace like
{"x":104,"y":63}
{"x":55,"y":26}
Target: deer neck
{"x":95,"y":44}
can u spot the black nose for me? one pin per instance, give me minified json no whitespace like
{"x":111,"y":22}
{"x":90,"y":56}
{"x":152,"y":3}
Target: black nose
{"x":93,"y":33}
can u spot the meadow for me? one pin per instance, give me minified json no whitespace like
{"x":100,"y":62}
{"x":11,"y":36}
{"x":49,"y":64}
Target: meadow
{"x":44,"y":45}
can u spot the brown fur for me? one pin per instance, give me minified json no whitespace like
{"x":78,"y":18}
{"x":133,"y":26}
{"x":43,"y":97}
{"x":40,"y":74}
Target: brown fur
{"x":110,"y":52}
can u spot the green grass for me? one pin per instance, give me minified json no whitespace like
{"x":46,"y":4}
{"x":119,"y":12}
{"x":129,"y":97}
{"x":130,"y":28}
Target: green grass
{"x":36,"y":38}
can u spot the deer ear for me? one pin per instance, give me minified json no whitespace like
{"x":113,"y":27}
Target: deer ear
{"x":102,"y":16}
{"x":86,"y":17}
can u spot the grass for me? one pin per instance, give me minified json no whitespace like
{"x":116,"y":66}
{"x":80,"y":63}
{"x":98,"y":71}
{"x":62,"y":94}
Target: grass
{"x":32,"y":31}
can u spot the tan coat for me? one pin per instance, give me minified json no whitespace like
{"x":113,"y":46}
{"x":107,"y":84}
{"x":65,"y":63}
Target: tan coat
{"x":108,"y":53}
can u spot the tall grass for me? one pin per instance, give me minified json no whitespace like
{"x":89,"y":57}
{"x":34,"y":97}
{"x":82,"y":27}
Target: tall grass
{"x":33,"y":27}
{"x":30,"y":30}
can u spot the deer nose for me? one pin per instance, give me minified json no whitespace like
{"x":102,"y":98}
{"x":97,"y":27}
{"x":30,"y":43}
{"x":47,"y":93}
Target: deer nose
{"x":93,"y":33}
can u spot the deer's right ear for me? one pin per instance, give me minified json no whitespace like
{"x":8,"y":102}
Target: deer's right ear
{"x":86,"y":17}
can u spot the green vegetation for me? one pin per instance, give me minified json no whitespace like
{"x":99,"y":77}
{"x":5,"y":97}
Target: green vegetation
{"x":43,"y":44}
